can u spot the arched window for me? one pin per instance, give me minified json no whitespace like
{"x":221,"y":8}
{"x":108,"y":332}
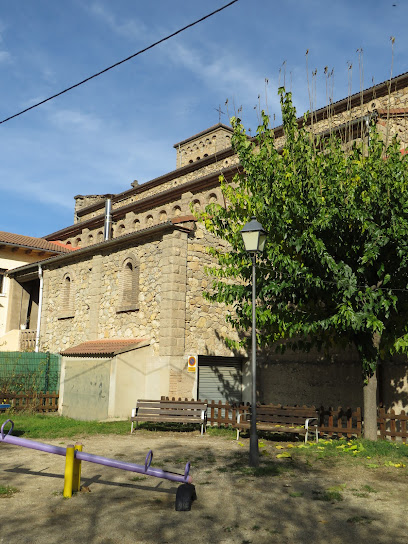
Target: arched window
{"x":163,"y":216}
{"x":129,"y":285}
{"x":99,"y":236}
{"x":177,"y":211}
{"x":67,"y":308}
{"x":120,"y":230}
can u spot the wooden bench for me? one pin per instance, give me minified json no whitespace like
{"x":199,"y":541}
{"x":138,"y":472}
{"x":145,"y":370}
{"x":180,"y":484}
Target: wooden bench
{"x":280,"y":419}
{"x":4,"y":407}
{"x":163,"y":411}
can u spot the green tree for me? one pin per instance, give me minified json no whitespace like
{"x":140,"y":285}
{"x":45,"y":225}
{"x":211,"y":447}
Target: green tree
{"x":335,"y":268}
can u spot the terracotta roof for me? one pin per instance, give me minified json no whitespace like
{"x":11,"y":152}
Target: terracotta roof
{"x":19,"y":240}
{"x":108,"y":347}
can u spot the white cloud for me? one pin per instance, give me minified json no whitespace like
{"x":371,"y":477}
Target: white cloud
{"x":74,"y":119}
{"x":131,"y":28}
{"x":5,"y":57}
{"x":224,"y":72}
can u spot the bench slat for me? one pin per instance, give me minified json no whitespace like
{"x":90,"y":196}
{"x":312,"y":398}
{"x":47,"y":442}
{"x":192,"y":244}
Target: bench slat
{"x":169,"y":404}
{"x":290,"y":419}
{"x":170,"y":411}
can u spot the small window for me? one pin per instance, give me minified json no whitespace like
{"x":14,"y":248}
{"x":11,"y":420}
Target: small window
{"x":120,"y":230}
{"x":129,"y":286}
{"x":67,"y":298}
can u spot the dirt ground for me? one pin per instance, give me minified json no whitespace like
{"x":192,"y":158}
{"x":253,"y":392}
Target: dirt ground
{"x":233,"y":505}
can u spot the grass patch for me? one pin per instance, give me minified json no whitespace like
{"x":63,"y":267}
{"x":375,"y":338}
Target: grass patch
{"x":360,"y":519}
{"x":369,"y":489}
{"x":7,"y":491}
{"x":364,"y":492}
{"x":372,"y":454}
{"x":138,"y":478}
{"x":333,"y":494}
{"x":296,"y":494}
{"x":45,"y":426}
{"x":226,"y":432}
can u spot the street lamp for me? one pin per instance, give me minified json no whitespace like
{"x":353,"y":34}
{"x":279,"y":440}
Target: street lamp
{"x":254,"y":237}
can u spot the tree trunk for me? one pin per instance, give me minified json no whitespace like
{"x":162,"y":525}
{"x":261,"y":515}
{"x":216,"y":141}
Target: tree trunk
{"x":370,"y":408}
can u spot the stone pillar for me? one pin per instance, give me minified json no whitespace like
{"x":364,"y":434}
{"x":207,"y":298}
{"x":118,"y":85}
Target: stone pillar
{"x":186,"y":199}
{"x":173,"y":266}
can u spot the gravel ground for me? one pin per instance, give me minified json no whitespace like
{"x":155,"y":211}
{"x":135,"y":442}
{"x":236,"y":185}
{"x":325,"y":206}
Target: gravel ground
{"x":233,"y":505}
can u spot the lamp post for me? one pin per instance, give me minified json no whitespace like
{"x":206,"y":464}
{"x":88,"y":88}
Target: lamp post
{"x":254,"y":237}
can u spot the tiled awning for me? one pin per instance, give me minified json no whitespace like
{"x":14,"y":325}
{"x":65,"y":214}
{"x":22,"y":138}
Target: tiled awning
{"x":103,"y":348}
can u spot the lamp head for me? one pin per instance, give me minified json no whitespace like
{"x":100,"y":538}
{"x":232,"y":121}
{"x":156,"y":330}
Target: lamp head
{"x":254,"y":236}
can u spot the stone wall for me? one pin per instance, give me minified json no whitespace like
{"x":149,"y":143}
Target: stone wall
{"x":177,"y":179}
{"x":96,"y":290}
{"x":206,"y":143}
{"x":206,"y":328}
{"x":135,"y":220}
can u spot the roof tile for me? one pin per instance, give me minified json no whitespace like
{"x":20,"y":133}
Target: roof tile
{"x":107,"y":347}
{"x":33,"y":243}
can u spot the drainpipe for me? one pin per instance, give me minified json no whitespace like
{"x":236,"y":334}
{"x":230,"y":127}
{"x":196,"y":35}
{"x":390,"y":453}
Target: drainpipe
{"x":108,"y":218}
{"x":40,"y":298}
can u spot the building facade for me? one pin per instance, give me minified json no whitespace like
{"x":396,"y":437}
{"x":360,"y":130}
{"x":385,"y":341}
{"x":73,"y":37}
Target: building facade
{"x":138,"y":273}
{"x":19,"y":302}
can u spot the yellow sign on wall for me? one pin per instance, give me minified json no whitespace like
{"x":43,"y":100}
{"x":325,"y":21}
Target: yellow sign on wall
{"x":192,"y":364}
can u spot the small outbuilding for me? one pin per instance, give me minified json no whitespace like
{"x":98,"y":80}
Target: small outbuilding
{"x":102,"y":379}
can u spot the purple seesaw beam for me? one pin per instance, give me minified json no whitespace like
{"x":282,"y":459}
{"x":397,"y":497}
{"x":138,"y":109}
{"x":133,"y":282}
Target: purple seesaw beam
{"x":99,"y":460}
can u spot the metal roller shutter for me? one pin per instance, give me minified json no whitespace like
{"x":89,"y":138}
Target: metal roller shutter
{"x":220,"y":379}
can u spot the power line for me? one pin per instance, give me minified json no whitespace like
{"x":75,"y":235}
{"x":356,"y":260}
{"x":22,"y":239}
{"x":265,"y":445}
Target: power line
{"x":121,"y":61}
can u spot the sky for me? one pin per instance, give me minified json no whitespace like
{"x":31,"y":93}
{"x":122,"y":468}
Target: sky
{"x":122,"y":125}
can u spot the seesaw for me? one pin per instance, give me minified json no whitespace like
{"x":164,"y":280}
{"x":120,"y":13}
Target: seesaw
{"x":74,"y":455}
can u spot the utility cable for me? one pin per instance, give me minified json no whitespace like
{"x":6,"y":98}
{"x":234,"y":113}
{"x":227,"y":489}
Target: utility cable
{"x":121,"y":61}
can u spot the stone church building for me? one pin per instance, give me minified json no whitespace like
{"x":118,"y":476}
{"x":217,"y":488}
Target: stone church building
{"x":126,"y":308}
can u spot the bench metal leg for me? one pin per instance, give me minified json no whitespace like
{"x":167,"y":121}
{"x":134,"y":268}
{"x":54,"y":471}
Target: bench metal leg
{"x":133,"y":415}
{"x":307,"y":429}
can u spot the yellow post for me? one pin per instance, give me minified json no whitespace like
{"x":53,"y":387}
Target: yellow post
{"x":76,"y":480}
{"x":69,"y":471}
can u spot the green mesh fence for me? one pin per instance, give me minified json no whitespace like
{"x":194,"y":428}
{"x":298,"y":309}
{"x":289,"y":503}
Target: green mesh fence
{"x":29,"y":371}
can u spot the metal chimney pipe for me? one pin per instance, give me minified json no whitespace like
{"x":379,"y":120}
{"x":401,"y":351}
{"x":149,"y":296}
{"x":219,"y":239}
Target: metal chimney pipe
{"x":107,"y":234}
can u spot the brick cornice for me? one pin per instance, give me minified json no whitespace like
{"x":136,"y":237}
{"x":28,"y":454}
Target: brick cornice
{"x":174,"y":174}
{"x":205,"y":182}
{"x":134,"y":236}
